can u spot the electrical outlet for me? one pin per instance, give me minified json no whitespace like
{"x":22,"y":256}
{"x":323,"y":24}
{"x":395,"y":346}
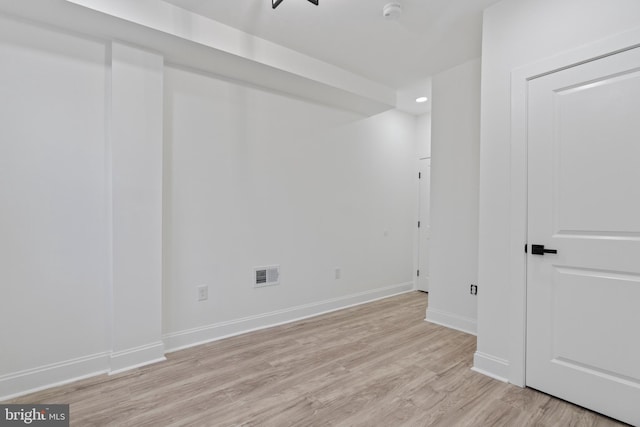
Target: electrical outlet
{"x":474,"y":290}
{"x":338,"y":273}
{"x":203,"y":293}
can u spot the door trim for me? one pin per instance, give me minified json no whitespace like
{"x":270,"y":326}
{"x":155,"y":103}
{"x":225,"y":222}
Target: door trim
{"x":420,"y":217}
{"x":517,"y":262}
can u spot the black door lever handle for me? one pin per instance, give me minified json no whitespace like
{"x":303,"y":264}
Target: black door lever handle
{"x":540,"y":250}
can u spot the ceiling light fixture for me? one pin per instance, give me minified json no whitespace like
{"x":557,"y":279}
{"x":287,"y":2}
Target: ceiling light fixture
{"x":276,"y":3}
{"x":422,"y":99}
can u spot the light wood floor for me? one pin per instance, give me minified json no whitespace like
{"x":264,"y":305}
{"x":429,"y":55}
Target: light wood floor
{"x":378,"y":364}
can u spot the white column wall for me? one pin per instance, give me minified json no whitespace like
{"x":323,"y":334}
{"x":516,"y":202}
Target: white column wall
{"x":454,"y":196}
{"x":135,"y":140}
{"x":53,"y":207}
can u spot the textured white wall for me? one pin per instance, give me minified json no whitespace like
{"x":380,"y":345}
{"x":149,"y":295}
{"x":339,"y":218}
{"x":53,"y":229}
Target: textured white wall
{"x":454,"y":196}
{"x":254,"y":178}
{"x":53,"y":251}
{"x":135,"y":140}
{"x":517,"y":33}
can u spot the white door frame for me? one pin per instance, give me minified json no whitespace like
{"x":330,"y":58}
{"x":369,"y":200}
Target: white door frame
{"x":517,"y":262}
{"x":420,"y":229}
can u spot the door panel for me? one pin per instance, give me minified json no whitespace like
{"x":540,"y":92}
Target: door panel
{"x":586,"y":198}
{"x":583,"y":303}
{"x":581,"y":298}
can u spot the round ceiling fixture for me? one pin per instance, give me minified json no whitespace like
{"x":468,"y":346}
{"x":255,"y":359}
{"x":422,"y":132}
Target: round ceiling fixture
{"x":422,"y":99}
{"x":392,"y":10}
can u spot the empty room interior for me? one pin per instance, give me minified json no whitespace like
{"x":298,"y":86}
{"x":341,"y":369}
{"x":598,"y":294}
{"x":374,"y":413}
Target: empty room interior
{"x":320,"y":212}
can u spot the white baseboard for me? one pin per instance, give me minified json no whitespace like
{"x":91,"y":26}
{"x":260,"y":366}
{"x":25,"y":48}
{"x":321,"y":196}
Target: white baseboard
{"x":193,"y":337}
{"x":491,"y":366}
{"x":132,"y":358}
{"x":453,"y":321}
{"x":43,"y":377}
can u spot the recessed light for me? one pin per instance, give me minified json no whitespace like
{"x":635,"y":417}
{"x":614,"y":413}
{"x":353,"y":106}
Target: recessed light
{"x":422,"y":99}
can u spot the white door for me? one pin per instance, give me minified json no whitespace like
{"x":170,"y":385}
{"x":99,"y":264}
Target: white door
{"x":424,"y":232}
{"x":583,"y":303}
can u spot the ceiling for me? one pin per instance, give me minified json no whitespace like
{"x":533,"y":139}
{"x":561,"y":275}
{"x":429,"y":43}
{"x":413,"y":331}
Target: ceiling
{"x":430,"y":36}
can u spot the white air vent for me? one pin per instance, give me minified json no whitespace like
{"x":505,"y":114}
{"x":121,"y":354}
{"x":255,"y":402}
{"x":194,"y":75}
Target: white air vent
{"x":266,"y":276}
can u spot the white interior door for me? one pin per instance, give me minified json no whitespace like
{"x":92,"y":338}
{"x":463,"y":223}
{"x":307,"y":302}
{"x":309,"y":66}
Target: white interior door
{"x":424,"y":232}
{"x":583,"y":303}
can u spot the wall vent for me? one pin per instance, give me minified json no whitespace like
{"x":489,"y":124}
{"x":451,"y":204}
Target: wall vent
{"x":266,"y":276}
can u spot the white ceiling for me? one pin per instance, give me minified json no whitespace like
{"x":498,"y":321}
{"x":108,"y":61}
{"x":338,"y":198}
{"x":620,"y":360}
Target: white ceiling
{"x":430,"y":36}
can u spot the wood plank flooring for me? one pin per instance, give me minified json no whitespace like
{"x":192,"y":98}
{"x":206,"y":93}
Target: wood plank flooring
{"x":377,"y":364}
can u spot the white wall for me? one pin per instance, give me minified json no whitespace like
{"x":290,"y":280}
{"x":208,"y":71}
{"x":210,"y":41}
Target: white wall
{"x":516,"y":33}
{"x":423,"y":136}
{"x":254,"y":178}
{"x":53,"y":205}
{"x":135,"y":142}
{"x":454,"y":196}
{"x":107,"y":227}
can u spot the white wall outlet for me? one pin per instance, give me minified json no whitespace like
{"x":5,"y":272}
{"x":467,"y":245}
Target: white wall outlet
{"x":338,"y":273}
{"x":203,"y":293}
